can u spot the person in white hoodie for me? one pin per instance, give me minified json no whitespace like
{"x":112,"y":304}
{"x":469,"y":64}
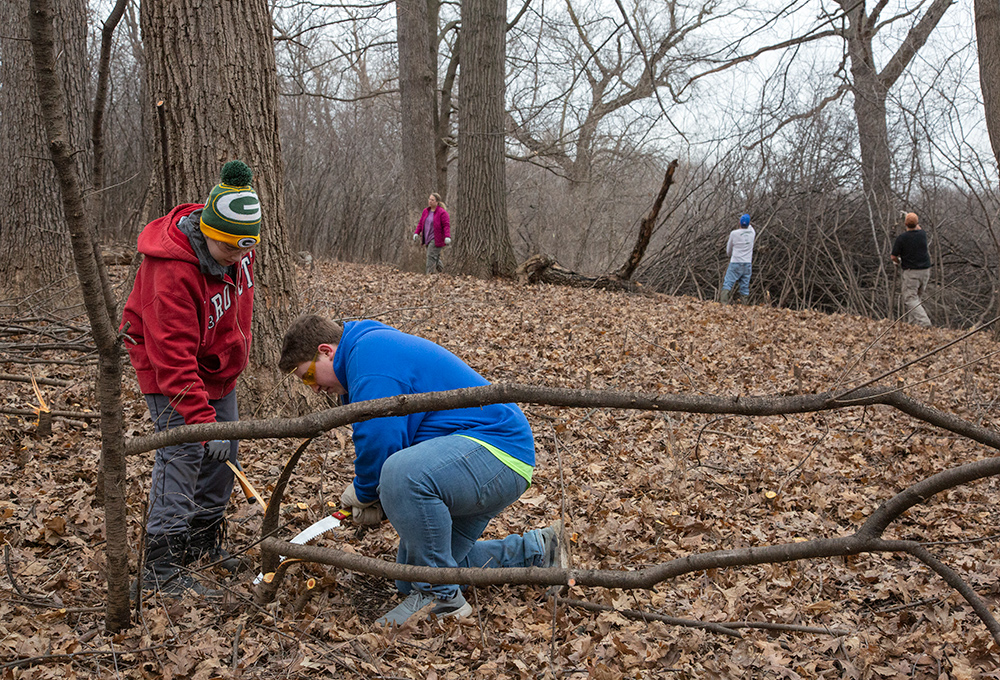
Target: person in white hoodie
{"x":739,"y":248}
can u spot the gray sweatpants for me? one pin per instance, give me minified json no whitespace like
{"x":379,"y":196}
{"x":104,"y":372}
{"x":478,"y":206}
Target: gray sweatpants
{"x":434,"y":265}
{"x":185,"y":483}
{"x":914,"y":284}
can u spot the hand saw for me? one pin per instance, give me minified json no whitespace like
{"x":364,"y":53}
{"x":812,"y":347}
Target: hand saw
{"x":312,"y":532}
{"x":248,"y":490}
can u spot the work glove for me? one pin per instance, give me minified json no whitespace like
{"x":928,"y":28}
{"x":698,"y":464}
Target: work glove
{"x":416,"y":237}
{"x":447,"y":240}
{"x":218,"y":449}
{"x":363,"y":513}
{"x":373,"y":514}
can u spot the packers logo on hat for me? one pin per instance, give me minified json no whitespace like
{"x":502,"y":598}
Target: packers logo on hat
{"x":232,"y":211}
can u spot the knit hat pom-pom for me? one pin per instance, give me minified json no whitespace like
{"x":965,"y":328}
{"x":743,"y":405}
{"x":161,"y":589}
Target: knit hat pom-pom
{"x":236,"y":174}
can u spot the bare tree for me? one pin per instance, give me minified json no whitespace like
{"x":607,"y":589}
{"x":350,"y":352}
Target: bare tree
{"x":97,"y":297}
{"x":416,"y":24}
{"x":481,"y":236}
{"x":870,"y":86}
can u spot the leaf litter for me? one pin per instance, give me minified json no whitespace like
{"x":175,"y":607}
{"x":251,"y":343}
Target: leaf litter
{"x":637,"y":489}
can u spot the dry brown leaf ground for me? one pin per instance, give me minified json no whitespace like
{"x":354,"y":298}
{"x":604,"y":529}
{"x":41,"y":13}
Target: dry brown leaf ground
{"x":636,"y":488}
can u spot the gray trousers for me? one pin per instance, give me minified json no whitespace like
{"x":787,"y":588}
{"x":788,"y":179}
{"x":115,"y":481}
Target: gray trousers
{"x":914,"y":287}
{"x":434,"y":265}
{"x":185,"y":483}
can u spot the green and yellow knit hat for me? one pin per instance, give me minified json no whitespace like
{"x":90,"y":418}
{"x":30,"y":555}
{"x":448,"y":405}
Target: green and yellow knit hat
{"x":232,"y":211}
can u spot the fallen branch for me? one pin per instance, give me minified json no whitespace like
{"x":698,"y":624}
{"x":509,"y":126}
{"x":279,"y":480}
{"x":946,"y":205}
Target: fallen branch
{"x":866,"y":540}
{"x":315,"y":424}
{"x":55,"y":382}
{"x":71,"y":415}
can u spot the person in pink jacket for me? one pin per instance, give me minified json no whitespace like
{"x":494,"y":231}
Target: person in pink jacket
{"x":434,"y":232}
{"x":187,"y":326}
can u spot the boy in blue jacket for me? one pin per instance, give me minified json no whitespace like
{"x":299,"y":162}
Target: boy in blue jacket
{"x":439,"y":477}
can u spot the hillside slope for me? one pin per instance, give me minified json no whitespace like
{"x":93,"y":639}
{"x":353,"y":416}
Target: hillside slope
{"x":636,"y":489}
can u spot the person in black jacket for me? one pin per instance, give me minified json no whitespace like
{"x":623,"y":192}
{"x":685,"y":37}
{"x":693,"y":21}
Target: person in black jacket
{"x":910,"y":252}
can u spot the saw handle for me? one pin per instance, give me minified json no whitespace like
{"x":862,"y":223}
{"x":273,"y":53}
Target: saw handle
{"x":342,"y":514}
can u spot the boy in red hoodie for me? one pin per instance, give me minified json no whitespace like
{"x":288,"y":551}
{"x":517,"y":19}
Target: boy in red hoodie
{"x":189,"y":317}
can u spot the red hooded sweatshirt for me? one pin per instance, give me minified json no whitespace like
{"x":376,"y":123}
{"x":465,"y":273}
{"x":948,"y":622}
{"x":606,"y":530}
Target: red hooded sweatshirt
{"x":191,"y":331}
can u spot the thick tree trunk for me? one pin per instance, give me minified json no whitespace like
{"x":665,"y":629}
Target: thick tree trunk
{"x":417,"y":79}
{"x":873,"y":135}
{"x":479,"y":230}
{"x":870,"y":88}
{"x":444,"y":143}
{"x":213,"y":67}
{"x":988,"y":41}
{"x":33,"y":235}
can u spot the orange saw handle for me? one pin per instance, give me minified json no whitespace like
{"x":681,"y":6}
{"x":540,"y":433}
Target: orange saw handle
{"x":342,"y":514}
{"x":245,"y":485}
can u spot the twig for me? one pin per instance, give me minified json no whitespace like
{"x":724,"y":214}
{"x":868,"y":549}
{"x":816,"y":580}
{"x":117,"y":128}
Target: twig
{"x":236,"y":646}
{"x":66,"y":415}
{"x":55,"y":382}
{"x":55,"y":658}
{"x":636,"y":615}
{"x":936,"y":350}
{"x":704,"y":428}
{"x":812,"y":449}
{"x":909,"y":605}
{"x":10,"y":573}
{"x":792,"y":628}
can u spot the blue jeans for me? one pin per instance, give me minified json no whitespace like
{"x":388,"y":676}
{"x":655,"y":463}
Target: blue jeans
{"x":186,"y":484}
{"x":738,"y":272}
{"x":439,"y":495}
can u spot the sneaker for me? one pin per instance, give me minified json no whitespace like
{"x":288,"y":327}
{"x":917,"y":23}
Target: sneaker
{"x":418,"y":601}
{"x":555,"y":553}
{"x":401,"y":613}
{"x":453,"y":606}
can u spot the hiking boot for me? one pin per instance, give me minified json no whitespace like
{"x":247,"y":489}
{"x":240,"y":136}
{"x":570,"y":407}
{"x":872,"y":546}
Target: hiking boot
{"x":418,"y":601}
{"x":555,"y":553}
{"x":207,"y":536}
{"x":164,"y":570}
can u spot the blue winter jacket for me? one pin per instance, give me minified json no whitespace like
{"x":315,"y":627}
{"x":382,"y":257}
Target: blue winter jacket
{"x":373,"y":361}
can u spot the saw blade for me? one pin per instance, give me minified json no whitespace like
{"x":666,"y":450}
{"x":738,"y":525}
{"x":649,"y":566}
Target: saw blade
{"x":312,"y":532}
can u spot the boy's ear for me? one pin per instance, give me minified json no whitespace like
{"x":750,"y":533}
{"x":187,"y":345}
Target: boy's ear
{"x":327,"y":349}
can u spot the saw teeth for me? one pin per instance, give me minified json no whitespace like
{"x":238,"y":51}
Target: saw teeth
{"x":310,"y":533}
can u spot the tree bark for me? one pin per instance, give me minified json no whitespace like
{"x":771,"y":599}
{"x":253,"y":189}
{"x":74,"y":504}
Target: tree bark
{"x":212,"y":64}
{"x":988,"y":43}
{"x":33,"y":235}
{"x":481,"y":239}
{"x":415,"y":26}
{"x":870,"y":88}
{"x":646,"y":228}
{"x":89,"y":269}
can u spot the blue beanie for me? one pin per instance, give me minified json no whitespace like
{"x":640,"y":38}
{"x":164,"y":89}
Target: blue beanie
{"x":745,"y":220}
